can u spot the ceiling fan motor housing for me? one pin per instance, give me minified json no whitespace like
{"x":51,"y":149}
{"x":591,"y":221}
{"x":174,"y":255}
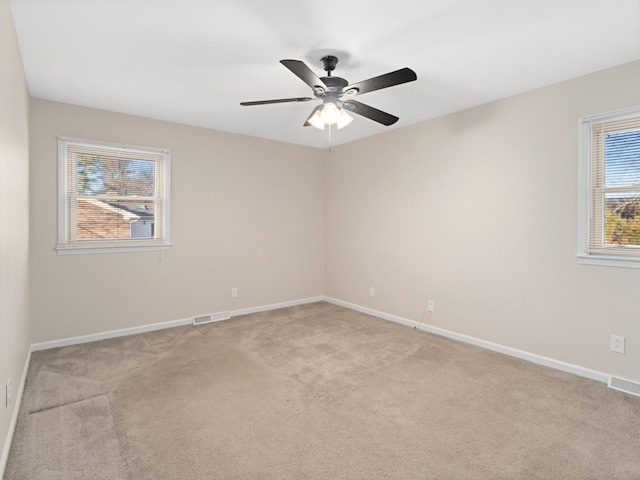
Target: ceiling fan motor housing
{"x":334,"y":84}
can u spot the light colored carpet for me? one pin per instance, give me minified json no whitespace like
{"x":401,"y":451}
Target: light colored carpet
{"x":313,"y":392}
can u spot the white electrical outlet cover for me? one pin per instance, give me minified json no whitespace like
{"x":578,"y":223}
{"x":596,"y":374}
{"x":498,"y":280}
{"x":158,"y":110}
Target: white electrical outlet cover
{"x":617,"y":344}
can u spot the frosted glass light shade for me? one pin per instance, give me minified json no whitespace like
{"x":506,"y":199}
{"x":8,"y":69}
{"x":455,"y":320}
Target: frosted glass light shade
{"x":316,"y":121}
{"x":344,"y":119}
{"x":330,"y":113}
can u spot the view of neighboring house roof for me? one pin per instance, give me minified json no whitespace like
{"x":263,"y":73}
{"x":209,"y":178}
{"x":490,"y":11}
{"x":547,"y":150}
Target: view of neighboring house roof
{"x":141,"y":210}
{"x":111,"y":208}
{"x":97,"y":219}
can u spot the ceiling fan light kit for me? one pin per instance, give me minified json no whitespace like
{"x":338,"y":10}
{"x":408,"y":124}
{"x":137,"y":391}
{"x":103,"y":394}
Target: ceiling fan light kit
{"x":331,"y":90}
{"x":329,"y":114}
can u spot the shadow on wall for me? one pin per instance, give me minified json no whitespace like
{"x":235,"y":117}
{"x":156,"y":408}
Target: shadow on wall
{"x":471,"y":118}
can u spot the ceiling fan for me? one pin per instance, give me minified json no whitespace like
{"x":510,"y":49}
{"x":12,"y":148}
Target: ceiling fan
{"x":337,"y":94}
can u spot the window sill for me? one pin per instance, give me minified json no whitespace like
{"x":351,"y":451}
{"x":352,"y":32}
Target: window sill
{"x":608,"y":261}
{"x":112,"y":248}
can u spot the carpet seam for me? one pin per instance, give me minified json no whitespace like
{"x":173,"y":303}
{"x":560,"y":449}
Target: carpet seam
{"x":115,"y":429}
{"x":69,"y":403}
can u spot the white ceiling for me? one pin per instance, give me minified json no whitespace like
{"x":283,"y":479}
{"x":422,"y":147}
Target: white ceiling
{"x":193,"y":61}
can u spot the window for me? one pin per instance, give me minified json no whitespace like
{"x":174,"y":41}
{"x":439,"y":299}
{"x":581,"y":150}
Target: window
{"x":610,"y":189}
{"x":112,"y":198}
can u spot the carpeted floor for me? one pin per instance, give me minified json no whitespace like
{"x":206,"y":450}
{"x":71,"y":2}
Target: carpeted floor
{"x":313,"y":392}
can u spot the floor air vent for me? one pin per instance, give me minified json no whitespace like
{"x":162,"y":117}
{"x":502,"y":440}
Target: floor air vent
{"x":212,"y":317}
{"x":623,"y":385}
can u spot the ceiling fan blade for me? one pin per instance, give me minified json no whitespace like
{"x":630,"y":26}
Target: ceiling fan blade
{"x":390,"y":79}
{"x":279,"y":100}
{"x":305,"y":74}
{"x":372,"y":113}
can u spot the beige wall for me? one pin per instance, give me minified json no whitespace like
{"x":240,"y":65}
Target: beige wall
{"x":478,"y":211}
{"x":245,"y":213}
{"x":14,"y":219}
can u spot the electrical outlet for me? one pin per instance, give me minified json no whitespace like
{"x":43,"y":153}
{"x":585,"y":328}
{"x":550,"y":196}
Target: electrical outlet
{"x":8,"y":394}
{"x":617,"y":344}
{"x":430,"y":305}
{"x":372,"y":292}
{"x":234,"y":292}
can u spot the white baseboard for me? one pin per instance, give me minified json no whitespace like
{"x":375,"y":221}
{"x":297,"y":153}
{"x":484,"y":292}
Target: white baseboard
{"x":275,"y":306}
{"x":14,"y":416}
{"x":65,"y":342}
{"x":512,"y":352}
{"x":160,"y":326}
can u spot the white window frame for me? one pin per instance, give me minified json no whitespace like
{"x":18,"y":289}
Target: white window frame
{"x":67,"y":222}
{"x":590,"y":211}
